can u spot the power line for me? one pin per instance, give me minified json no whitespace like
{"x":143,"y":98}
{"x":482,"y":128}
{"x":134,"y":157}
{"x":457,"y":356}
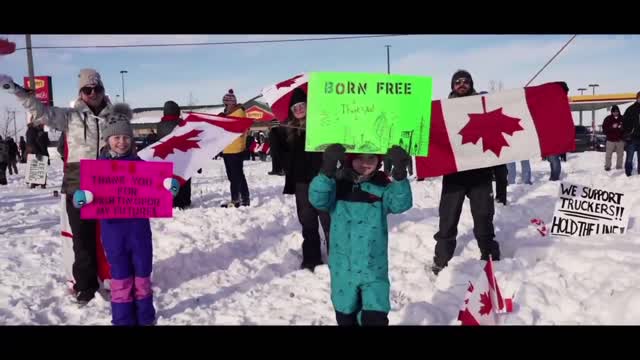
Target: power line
{"x":213,"y":43}
{"x":550,"y":60}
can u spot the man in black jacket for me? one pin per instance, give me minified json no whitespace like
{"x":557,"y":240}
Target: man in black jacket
{"x":171,"y":119}
{"x":631,"y":127}
{"x":475,"y":184}
{"x":275,"y":150}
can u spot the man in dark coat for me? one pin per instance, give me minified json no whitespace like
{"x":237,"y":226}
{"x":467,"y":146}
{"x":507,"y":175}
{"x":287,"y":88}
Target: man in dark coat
{"x":475,"y":184}
{"x":171,"y":119}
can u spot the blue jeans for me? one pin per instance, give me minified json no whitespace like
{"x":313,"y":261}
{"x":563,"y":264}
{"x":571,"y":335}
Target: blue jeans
{"x":556,"y":168}
{"x":632,"y":147}
{"x":526,"y":172}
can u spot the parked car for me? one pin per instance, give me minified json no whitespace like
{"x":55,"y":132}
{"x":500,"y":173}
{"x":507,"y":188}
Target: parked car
{"x":583,"y":139}
{"x":601,"y":142}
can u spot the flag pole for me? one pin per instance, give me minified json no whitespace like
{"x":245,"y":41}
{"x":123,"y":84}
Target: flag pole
{"x":494,"y":293}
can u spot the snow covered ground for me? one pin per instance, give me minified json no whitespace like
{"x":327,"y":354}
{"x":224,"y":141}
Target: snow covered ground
{"x":240,"y":266}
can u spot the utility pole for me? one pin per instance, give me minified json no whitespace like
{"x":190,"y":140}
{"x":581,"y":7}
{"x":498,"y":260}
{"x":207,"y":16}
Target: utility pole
{"x":122,"y":72}
{"x":32,"y":77}
{"x":388,"y":60}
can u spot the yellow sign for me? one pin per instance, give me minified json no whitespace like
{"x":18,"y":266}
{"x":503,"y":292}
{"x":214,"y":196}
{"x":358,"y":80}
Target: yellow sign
{"x":255,"y":114}
{"x":39,"y":83}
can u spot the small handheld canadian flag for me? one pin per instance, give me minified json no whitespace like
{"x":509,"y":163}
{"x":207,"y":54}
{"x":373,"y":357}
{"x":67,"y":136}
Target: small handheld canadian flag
{"x":484,"y":302}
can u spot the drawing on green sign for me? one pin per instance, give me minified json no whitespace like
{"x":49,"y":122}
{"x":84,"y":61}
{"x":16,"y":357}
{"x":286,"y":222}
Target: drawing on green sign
{"x":369,"y":113}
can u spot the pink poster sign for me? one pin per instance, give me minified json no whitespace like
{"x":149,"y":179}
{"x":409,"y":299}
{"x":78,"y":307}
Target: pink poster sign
{"x":125,"y":189}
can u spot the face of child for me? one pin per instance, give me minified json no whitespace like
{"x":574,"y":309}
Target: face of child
{"x":120,"y":144}
{"x":299,"y":110}
{"x":365,"y":164}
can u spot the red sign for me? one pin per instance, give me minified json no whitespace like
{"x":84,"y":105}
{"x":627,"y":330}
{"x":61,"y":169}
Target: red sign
{"x":255,"y":112}
{"x":44,"y":90}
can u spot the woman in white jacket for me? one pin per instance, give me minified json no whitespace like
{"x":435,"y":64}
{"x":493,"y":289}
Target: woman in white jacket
{"x":82,"y":124}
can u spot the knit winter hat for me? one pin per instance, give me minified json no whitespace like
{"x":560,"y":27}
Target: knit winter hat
{"x":461,"y":74}
{"x":229,"y":97}
{"x":89,"y":77}
{"x":615,"y":108}
{"x":171,"y":108}
{"x":297,"y":96}
{"x":118,"y":122}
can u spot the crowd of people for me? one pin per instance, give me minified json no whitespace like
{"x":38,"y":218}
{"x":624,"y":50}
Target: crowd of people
{"x":343,"y":198}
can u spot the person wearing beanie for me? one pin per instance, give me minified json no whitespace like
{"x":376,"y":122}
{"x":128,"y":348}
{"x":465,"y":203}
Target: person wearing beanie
{"x":127,"y":242}
{"x":612,"y":127}
{"x":300,"y":167}
{"x":475,"y":184}
{"x":359,"y":197}
{"x":82,"y":125}
{"x":234,"y":155}
{"x":171,"y":118}
{"x":631,"y":128}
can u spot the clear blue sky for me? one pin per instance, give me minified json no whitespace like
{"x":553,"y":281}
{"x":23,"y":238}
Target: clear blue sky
{"x":207,"y":72}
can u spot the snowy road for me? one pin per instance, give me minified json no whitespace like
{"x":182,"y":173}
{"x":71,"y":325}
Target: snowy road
{"x":240,"y":266}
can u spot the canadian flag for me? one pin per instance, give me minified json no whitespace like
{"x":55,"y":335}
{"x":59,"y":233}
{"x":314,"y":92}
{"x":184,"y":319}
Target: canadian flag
{"x":195,"y":141}
{"x":278,"y":96}
{"x":483,"y":301}
{"x":6,"y":47}
{"x":488,"y":130}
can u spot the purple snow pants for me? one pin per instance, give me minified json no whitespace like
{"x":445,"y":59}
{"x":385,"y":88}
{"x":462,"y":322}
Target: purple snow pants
{"x":127,"y":243}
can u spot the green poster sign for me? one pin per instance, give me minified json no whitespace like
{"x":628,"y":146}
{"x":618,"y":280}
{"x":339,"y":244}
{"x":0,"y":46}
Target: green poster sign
{"x":368,"y":113}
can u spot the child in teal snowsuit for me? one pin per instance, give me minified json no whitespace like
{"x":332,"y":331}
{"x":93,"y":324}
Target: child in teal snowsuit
{"x":359,"y":197}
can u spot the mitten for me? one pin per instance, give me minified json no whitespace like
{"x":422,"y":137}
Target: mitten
{"x":82,"y":198}
{"x":400,"y":161}
{"x":333,"y":157}
{"x":172,"y":185}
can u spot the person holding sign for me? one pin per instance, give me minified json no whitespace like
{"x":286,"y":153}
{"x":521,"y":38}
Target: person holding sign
{"x":81,"y":124}
{"x":127,"y":242}
{"x":359,"y":197}
{"x":474,"y":184}
{"x":300,"y":168}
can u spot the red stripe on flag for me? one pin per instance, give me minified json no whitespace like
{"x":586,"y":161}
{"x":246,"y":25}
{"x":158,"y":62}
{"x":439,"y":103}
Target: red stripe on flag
{"x":228,"y":123}
{"x":466,"y":318}
{"x":551,"y":113}
{"x":440,"y":159}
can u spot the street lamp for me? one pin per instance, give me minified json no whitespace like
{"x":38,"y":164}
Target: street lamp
{"x":388,"y":60}
{"x":582,"y":90}
{"x":122,"y":72}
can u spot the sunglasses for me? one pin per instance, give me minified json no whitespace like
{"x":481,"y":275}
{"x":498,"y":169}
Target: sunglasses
{"x":462,"y":81}
{"x":298,"y":106}
{"x":87,"y":90}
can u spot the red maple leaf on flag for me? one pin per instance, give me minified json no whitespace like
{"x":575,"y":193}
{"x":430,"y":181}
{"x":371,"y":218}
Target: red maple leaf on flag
{"x":287,"y":83}
{"x":181,"y":142}
{"x":485,"y":309}
{"x":489,"y":126}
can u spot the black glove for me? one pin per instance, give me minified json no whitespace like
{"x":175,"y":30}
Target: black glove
{"x":400,"y":161}
{"x":332,"y":155}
